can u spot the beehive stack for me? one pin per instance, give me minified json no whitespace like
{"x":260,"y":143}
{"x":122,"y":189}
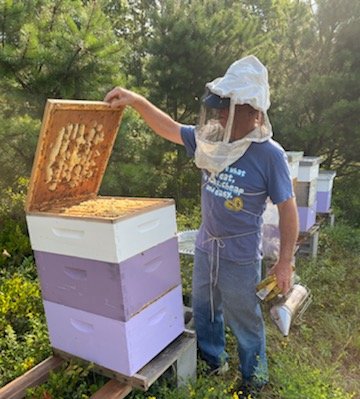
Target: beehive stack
{"x":324,"y":190}
{"x":109,"y":267}
{"x":305,"y":191}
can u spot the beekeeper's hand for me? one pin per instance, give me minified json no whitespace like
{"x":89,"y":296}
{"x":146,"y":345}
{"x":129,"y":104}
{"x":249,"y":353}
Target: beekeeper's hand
{"x":157,"y":120}
{"x":119,"y":97}
{"x":283,"y":271}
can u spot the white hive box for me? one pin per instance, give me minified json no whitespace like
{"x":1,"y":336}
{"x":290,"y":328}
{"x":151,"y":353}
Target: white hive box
{"x":79,"y":238}
{"x":325,"y":180}
{"x":294,"y":158}
{"x":135,"y":225}
{"x":308,"y":168}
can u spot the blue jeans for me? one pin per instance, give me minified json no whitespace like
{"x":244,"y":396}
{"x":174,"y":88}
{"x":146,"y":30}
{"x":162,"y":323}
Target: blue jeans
{"x":235,"y":300}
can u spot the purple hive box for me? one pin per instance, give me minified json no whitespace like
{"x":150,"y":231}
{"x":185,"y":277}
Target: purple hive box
{"x":124,"y":347}
{"x":323,"y":201}
{"x":307,"y":217}
{"x":114,"y":290}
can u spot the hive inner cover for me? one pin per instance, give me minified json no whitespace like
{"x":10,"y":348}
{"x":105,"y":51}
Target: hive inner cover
{"x":74,"y":147}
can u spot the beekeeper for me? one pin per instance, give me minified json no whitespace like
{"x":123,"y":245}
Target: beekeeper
{"x":241,"y":167}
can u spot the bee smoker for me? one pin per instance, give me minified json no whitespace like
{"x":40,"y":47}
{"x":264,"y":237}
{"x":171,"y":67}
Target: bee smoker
{"x":293,"y":304}
{"x":285,"y":309}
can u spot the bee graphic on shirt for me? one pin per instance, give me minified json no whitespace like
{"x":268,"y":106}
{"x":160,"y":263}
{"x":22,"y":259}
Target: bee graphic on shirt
{"x":235,"y":204}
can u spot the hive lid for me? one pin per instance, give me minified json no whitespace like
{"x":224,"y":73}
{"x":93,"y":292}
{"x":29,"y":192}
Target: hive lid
{"x":310,"y":161}
{"x":74,"y":146}
{"x":294,"y":156}
{"x":326,"y":174}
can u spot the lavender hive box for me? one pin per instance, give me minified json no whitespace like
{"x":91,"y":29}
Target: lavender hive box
{"x":124,"y":347}
{"x":323,"y":199}
{"x":307,"y":217}
{"x":113,"y":290}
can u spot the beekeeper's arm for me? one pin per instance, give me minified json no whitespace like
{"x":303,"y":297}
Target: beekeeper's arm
{"x":159,"y":121}
{"x":289,"y":230}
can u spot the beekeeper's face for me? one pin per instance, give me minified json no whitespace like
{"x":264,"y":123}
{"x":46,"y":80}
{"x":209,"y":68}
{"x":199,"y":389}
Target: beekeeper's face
{"x":246,"y":119}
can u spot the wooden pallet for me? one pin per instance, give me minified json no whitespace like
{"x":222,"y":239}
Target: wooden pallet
{"x":180,"y":354}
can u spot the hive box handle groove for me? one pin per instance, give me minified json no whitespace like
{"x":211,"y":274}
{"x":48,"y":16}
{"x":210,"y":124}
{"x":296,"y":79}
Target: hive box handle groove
{"x":153,"y":265}
{"x":75,"y":274}
{"x":82,"y":326}
{"x":68,"y":233}
{"x":149,"y":225}
{"x":157,"y":317}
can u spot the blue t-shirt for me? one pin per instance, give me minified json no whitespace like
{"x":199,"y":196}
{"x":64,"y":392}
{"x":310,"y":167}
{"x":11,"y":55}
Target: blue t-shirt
{"x":232,"y":205}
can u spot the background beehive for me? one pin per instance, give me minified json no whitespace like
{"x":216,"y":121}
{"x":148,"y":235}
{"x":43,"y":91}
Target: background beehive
{"x":306,"y":191}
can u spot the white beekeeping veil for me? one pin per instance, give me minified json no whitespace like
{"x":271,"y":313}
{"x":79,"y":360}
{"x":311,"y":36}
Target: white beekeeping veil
{"x":245,"y":82}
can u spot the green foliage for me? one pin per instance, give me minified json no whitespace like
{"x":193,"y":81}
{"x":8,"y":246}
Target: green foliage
{"x":190,"y":218}
{"x":72,"y":381}
{"x":49,"y":49}
{"x":341,"y":240}
{"x":65,"y":49}
{"x":22,"y":351}
{"x":203,"y":388}
{"x":18,"y":135}
{"x":143,"y":164}
{"x":23,"y":332}
{"x":14,"y":240}
{"x":315,"y":104}
{"x":346,"y":199}
{"x":19,"y":300}
{"x":192,"y":43}
{"x":301,"y":381}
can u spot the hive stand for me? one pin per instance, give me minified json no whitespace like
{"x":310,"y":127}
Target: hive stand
{"x":328,"y":217}
{"x":308,"y":242}
{"x":180,"y":355}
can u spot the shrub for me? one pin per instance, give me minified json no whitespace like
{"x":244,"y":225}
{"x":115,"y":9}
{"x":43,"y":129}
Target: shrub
{"x":23,"y":333}
{"x":14,"y":240}
{"x":72,"y":381}
{"x":20,"y":352}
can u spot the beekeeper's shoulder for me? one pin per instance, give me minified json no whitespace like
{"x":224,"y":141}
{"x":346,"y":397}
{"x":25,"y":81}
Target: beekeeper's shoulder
{"x":271,"y":146}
